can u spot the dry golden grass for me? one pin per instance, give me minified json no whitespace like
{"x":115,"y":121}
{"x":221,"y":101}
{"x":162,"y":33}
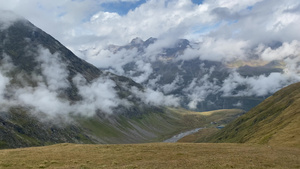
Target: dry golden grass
{"x":222,"y":111}
{"x":155,"y":155}
{"x":192,"y":119}
{"x":253,"y":63}
{"x":207,"y":113}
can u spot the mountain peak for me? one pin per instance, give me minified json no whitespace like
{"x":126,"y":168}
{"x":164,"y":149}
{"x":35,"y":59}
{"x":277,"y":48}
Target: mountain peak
{"x":137,"y":41}
{"x":149,"y":41}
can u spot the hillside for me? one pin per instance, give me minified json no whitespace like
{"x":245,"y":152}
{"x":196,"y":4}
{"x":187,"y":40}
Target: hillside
{"x":19,"y":129}
{"x":276,"y":121}
{"x":45,"y":89}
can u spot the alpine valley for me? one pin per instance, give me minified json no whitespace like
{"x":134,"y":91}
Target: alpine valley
{"x":48,"y":95}
{"x":268,"y":133}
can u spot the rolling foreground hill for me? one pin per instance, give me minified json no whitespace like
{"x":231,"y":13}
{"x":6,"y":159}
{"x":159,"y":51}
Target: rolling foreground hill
{"x":159,"y":155}
{"x":276,"y":121}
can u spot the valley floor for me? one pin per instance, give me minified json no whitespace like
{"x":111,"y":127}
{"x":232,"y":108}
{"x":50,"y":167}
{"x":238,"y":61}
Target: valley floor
{"x":154,"y":155}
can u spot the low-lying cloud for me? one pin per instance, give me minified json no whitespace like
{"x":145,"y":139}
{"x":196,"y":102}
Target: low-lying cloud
{"x":47,"y":98}
{"x":217,"y":50}
{"x":139,"y":63}
{"x":155,"y":98}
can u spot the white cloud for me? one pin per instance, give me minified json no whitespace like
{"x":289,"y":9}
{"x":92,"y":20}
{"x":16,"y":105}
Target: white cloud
{"x":7,"y":18}
{"x":199,"y":89}
{"x":47,"y":99}
{"x":4,"y":81}
{"x":258,"y":85}
{"x":43,"y":100}
{"x":98,"y":95}
{"x":155,"y":98}
{"x":172,"y":86}
{"x":217,"y":50}
{"x":286,"y":50}
{"x":53,"y":69}
{"x":107,"y":59}
{"x":145,"y":69}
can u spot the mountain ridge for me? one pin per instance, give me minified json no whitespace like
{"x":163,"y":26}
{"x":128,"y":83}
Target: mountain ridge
{"x":176,"y":67}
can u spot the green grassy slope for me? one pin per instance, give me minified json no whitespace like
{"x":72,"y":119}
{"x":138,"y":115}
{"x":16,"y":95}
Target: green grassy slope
{"x":153,"y":126}
{"x":276,"y":121}
{"x":19,"y":129}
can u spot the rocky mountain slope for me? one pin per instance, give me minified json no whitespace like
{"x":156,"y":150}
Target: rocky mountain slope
{"x":202,"y":81}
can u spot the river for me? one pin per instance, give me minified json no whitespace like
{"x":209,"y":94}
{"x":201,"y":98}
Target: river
{"x":181,"y":135}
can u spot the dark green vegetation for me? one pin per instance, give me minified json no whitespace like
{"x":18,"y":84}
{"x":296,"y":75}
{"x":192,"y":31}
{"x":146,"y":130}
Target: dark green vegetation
{"x":19,"y":129}
{"x":276,"y":121}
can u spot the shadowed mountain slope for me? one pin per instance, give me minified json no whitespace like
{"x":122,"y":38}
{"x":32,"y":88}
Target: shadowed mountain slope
{"x":48,"y":95}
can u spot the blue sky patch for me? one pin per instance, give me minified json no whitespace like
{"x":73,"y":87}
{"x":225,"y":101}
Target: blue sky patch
{"x":122,"y":8}
{"x":197,"y":1}
{"x":250,"y":8}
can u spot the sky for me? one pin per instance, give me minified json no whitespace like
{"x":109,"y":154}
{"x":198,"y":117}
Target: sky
{"x":80,"y":24}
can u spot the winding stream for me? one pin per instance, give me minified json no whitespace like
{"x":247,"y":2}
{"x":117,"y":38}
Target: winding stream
{"x":181,"y":135}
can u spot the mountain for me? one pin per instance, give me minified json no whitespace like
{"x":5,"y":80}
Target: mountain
{"x":276,"y":121}
{"x":48,"y":95}
{"x":178,"y":67}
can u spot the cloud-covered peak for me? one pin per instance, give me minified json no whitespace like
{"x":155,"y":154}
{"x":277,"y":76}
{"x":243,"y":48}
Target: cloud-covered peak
{"x":8,"y":18}
{"x":136,"y":41}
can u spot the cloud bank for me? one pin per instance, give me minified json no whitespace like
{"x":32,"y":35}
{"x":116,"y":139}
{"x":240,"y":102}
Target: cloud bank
{"x":81,"y":23}
{"x":139,"y":64}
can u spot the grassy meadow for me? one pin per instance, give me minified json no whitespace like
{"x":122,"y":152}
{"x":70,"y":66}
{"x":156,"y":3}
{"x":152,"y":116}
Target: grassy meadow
{"x":153,"y":155}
